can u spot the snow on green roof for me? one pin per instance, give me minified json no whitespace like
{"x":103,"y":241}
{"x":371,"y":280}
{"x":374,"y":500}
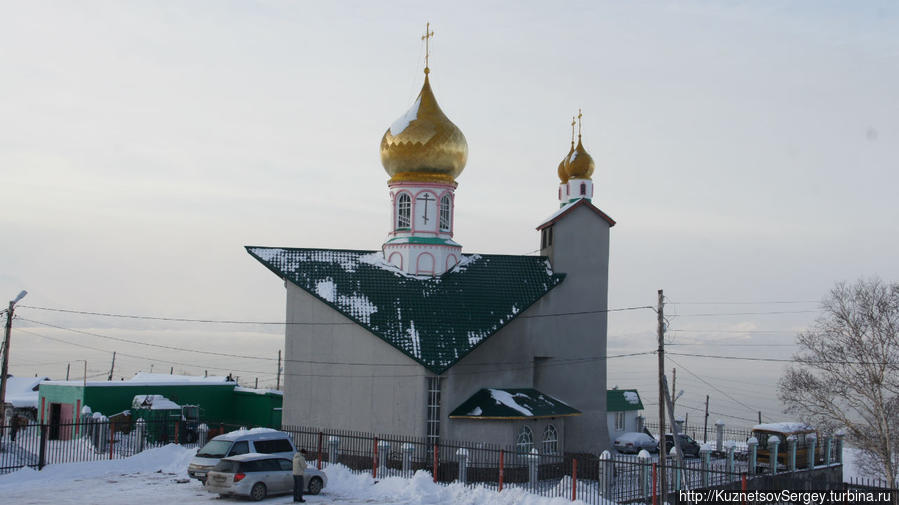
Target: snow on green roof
{"x":618,"y":400}
{"x":434,"y":320}
{"x":522,"y":403}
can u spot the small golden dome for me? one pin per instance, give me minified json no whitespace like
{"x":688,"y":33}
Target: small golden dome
{"x":580,"y":164}
{"x":424,"y":145}
{"x":563,"y":166}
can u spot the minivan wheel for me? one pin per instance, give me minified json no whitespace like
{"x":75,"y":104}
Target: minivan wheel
{"x":315,"y":486}
{"x":258,"y":492}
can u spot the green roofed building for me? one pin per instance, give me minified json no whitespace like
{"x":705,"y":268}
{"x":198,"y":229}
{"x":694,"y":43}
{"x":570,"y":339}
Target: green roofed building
{"x":414,"y":337}
{"x":214,"y":399}
{"x":624,"y":406}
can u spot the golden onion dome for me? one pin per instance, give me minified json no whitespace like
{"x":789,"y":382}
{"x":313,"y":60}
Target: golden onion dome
{"x":580,"y":164}
{"x":424,"y":145}
{"x":563,"y":166}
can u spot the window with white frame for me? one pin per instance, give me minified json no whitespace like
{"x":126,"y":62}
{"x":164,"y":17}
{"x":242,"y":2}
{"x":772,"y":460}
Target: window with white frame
{"x":619,"y":421}
{"x":550,"y":440}
{"x":445,"y":213}
{"x":433,"y":414}
{"x":403,"y":211}
{"x":525,"y":441}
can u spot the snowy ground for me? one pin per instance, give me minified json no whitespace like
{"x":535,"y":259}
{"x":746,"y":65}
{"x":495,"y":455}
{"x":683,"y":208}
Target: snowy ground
{"x":159,"y":476}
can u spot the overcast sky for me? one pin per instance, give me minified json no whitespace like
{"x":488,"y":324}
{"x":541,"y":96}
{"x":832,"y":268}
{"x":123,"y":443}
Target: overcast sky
{"x":748,"y":151}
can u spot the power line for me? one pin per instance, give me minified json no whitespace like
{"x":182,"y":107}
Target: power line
{"x":734,"y":331}
{"x":285,"y":323}
{"x":787,"y":360}
{"x":716,"y":388}
{"x":779,"y":302}
{"x":715,"y":314}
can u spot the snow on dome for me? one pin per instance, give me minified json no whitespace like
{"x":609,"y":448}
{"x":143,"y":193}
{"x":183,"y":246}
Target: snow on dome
{"x":411,"y":115}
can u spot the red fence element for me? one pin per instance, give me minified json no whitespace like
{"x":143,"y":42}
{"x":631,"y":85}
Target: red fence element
{"x":374,"y":460}
{"x":436,"y":449}
{"x":574,"y":479}
{"x":320,"y":436}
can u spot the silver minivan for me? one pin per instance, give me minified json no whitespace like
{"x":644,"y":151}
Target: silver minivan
{"x":259,"y":475}
{"x":243,"y":441}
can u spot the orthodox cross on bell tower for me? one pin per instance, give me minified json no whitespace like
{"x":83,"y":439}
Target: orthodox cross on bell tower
{"x":427,"y":38}
{"x":579,"y":116}
{"x":572,"y":131}
{"x":427,"y":199}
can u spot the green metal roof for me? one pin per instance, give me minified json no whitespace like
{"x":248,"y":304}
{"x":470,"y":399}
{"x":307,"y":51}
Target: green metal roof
{"x":434,"y":320}
{"x":618,"y":400}
{"x":522,"y":403}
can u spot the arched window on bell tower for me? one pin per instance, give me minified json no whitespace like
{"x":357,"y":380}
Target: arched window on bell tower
{"x":445,"y":213}
{"x":403,"y":211}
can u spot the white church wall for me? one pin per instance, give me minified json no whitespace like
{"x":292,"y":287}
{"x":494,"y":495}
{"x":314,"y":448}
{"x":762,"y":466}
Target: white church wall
{"x":330,"y":393}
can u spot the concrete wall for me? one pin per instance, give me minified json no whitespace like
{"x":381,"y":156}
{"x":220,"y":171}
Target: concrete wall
{"x":388,"y":397}
{"x":558,"y":355}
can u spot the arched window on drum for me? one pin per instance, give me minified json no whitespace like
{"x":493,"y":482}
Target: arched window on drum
{"x":445,"y":213}
{"x":403,"y":211}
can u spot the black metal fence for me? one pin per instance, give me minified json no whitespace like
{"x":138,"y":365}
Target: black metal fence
{"x":38,"y":445}
{"x":585,"y":476}
{"x":702,"y":433}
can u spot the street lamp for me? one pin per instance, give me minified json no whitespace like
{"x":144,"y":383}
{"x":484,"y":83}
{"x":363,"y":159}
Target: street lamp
{"x":5,"y":366}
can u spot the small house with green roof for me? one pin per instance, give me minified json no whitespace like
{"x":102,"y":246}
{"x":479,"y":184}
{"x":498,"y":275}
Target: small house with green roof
{"x":623,"y":405}
{"x":417,"y":338}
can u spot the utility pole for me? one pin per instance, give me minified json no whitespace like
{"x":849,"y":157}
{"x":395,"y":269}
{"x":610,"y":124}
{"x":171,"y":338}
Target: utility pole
{"x":5,"y":367}
{"x":278,"y":375}
{"x":257,"y":383}
{"x":674,"y":389}
{"x":68,"y":367}
{"x":111,"y":367}
{"x":663,"y":490}
{"x":705,"y":427}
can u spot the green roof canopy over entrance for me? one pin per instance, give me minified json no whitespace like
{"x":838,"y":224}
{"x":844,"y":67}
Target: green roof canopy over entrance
{"x":521,"y":403}
{"x":434,"y":320}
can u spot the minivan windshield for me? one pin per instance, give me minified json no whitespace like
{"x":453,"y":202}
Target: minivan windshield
{"x":214,"y":449}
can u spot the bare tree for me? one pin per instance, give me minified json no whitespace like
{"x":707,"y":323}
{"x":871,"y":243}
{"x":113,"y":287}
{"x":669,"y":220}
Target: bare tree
{"x":847,"y":372}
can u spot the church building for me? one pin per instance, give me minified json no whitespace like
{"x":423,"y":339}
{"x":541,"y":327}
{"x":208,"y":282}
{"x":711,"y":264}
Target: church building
{"x":420,"y":338}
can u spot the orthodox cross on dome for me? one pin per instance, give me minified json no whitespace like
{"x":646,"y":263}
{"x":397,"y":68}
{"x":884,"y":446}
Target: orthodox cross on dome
{"x":427,"y":199}
{"x":427,"y":38}
{"x":572,"y":130}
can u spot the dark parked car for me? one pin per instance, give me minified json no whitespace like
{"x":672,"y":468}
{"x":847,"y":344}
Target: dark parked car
{"x":687,"y":444}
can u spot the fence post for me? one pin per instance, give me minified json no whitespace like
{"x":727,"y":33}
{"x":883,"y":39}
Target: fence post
{"x":773,"y":444}
{"x":753,"y":444}
{"x":501,"y":454}
{"x":643,"y":457}
{"x":719,"y":435}
{"x":573,"y":479}
{"x":320,"y":437}
{"x":791,"y":446}
{"x":42,"y":452}
{"x":202,"y":434}
{"x":839,"y":449}
{"x":743,"y":487}
{"x":374,"y":459}
{"x":102,"y":434}
{"x":705,"y":452}
{"x":729,"y":447}
{"x":606,"y":466}
{"x":827,"y":443}
{"x":383,"y":452}
{"x":533,"y":459}
{"x":462,"y":455}
{"x":436,"y":459}
{"x":676,"y":470}
{"x":810,"y":441}
{"x":111,"y":438}
{"x":140,"y":433}
{"x":334,"y":449}
{"x":655,"y":488}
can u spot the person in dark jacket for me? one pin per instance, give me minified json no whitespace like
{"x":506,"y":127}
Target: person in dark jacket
{"x":299,"y":469}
